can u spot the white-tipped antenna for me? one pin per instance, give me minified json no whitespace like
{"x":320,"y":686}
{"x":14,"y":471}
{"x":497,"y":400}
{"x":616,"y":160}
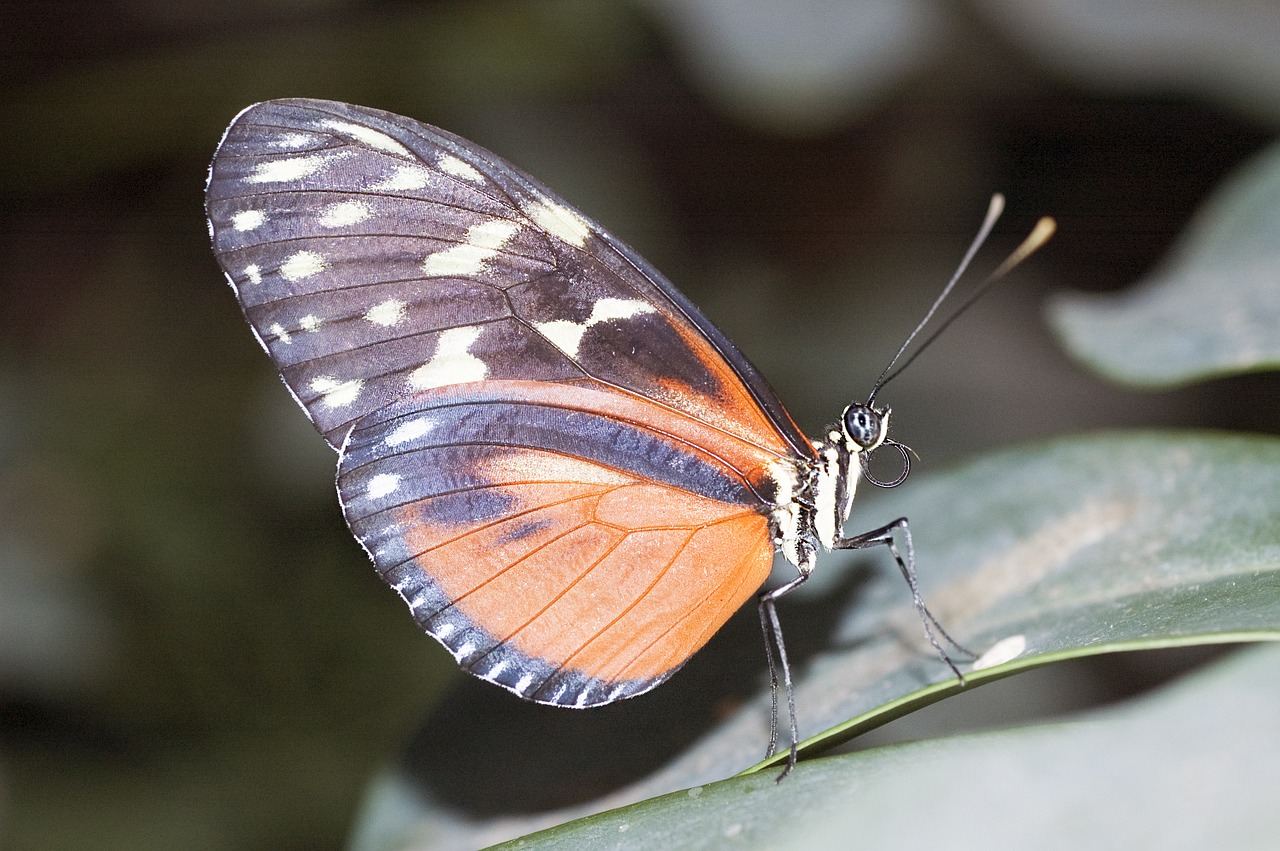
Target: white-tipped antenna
{"x":1039,"y":236}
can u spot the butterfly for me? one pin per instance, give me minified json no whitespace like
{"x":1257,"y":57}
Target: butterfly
{"x":567,"y":472}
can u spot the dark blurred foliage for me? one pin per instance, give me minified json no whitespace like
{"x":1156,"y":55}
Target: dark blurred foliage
{"x":193,"y":652}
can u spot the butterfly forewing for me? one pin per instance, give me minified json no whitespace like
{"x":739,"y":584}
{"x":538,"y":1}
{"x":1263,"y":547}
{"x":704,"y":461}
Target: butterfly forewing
{"x":558,"y":462}
{"x":376,"y":256}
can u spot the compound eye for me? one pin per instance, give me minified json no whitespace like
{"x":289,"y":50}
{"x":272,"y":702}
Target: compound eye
{"x":862,"y":425}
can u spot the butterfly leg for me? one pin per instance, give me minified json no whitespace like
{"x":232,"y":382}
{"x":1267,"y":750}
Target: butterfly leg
{"x":885,"y":536}
{"x":772,"y":629}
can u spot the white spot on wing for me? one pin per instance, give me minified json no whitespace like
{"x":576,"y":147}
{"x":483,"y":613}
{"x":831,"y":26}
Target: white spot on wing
{"x":567,"y":336}
{"x":563,"y":334}
{"x":302,"y":264}
{"x":386,"y":313}
{"x":468,"y":258}
{"x":289,"y":168}
{"x":452,"y":363}
{"x":617,"y":308}
{"x":309,"y":322}
{"x":560,"y":222}
{"x":277,"y":330}
{"x":406,"y":177}
{"x":344,"y":214}
{"x":294,"y":140}
{"x":335,"y":393}
{"x":450,"y":164}
{"x":409,"y":430}
{"x":522,"y":685}
{"x":372,"y":138}
{"x":253,"y":273}
{"x":248,"y":220}
{"x":381,"y":485}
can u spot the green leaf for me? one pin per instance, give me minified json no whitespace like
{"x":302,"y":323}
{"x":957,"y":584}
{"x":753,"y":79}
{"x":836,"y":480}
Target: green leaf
{"x":1214,"y":307}
{"x":1193,"y":766}
{"x":1078,"y":547}
{"x":1083,"y":546}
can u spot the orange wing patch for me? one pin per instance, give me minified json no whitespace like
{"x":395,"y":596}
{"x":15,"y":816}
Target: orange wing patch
{"x":624,"y":584}
{"x":571,"y":544}
{"x":734,"y":409}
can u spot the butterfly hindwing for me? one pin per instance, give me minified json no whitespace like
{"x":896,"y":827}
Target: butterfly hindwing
{"x":377,"y":257}
{"x":570,"y":544}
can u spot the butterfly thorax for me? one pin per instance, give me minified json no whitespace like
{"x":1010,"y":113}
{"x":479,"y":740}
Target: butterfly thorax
{"x":814,"y":496}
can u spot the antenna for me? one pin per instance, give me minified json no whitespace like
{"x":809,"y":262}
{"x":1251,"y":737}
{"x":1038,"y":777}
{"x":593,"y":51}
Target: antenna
{"x":1039,"y":235}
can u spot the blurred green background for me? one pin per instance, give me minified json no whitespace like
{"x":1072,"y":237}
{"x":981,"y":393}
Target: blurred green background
{"x":193,"y":651}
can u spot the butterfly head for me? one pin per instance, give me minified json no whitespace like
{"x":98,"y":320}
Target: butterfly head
{"x":864,"y":429}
